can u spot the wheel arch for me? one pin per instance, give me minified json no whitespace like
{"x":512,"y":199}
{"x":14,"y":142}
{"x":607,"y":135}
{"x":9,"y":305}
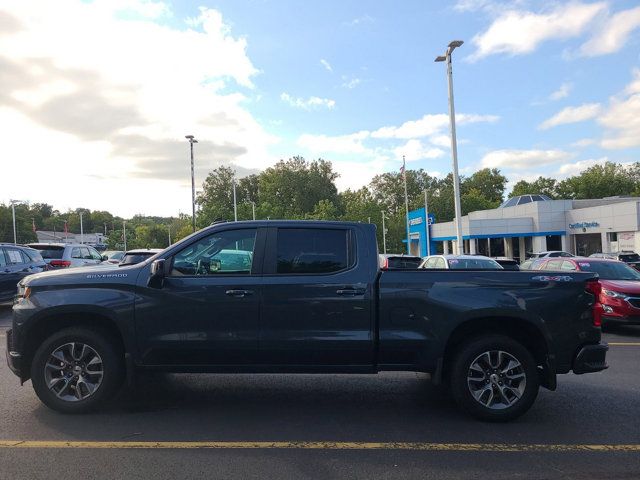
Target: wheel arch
{"x":46,"y":325}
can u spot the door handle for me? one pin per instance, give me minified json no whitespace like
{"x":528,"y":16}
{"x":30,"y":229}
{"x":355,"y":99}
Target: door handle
{"x":350,"y":292}
{"x":239,"y":293}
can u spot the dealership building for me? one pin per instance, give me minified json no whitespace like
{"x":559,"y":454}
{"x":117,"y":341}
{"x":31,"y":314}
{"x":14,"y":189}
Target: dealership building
{"x":535,"y":223}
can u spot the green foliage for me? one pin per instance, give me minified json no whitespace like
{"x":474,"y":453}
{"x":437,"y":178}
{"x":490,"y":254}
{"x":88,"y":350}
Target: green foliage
{"x":542,"y":185}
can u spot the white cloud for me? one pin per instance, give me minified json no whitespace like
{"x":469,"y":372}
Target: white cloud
{"x":612,"y":35}
{"x":523,"y":159}
{"x":309,"y":103}
{"x":443,"y":140}
{"x":352,"y":143}
{"x":621,"y":118}
{"x":574,"y":168}
{"x":415,"y":150}
{"x":562,"y":92}
{"x":517,"y":32}
{"x":364,"y":19}
{"x":583,"y":142}
{"x":350,"y":83}
{"x":430,"y":124}
{"x":326,"y":65}
{"x":567,"y":115}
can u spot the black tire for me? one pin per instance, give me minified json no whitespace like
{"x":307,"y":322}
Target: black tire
{"x":112,"y":365}
{"x":504,"y":406}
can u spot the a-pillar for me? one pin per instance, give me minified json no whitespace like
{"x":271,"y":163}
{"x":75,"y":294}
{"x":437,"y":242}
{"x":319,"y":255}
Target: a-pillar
{"x":472,"y":246}
{"x":523,"y":254}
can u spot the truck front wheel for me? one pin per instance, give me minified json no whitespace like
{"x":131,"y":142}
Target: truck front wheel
{"x":494,"y":378}
{"x":76,"y":369}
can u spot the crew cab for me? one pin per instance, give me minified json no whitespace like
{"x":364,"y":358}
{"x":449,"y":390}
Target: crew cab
{"x":302,"y":297}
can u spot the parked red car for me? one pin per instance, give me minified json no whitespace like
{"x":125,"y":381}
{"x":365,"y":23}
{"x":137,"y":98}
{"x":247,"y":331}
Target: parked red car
{"x":620,"y":285}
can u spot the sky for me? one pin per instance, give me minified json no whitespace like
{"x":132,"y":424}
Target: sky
{"x":96,"y":97}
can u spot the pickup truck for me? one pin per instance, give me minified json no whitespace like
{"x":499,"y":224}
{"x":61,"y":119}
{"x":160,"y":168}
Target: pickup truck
{"x":302,"y":297}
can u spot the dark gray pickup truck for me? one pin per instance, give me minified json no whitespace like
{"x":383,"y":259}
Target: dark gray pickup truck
{"x":302,"y":297}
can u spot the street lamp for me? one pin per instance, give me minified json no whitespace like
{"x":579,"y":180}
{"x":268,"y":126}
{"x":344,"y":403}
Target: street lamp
{"x":13,"y":213}
{"x":193,"y":183}
{"x":454,"y":148}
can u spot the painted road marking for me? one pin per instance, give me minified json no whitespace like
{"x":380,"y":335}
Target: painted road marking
{"x":456,"y":447}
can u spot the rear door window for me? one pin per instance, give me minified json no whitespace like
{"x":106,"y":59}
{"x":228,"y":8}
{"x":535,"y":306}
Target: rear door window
{"x":312,"y":250}
{"x":3,"y":261}
{"x":14,"y":256}
{"x":75,"y":253}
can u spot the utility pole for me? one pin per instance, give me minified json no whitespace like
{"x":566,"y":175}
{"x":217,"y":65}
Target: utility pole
{"x":193,"y":183}
{"x":253,"y":208}
{"x":384,"y":235}
{"x":169,"y":235}
{"x":454,"y":148}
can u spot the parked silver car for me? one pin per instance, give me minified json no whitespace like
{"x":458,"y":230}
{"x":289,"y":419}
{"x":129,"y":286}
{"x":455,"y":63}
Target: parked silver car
{"x":460,"y":262}
{"x":67,"y":255}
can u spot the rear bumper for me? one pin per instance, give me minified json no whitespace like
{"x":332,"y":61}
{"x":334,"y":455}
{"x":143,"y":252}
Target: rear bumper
{"x":591,"y":358}
{"x":14,"y":359}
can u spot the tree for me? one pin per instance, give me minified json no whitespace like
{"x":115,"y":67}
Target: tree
{"x":488,"y":183}
{"x":216,"y":198}
{"x":599,"y":181}
{"x":542,"y":185}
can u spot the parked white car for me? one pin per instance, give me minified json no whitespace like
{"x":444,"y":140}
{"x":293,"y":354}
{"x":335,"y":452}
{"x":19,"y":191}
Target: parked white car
{"x":67,"y":255}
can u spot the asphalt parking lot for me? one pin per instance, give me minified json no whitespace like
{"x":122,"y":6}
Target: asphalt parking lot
{"x":392,"y":425}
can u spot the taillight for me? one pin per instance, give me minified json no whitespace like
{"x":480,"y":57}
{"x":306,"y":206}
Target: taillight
{"x":595,"y":288}
{"x":60,"y":263}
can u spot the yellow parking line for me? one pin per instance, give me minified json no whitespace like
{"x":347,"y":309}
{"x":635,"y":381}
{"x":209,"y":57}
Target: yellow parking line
{"x":624,"y":344}
{"x":459,"y":447}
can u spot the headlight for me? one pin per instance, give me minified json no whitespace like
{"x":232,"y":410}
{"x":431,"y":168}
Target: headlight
{"x":612,"y":294}
{"x":23,"y":292}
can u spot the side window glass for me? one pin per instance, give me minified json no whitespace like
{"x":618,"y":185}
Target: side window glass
{"x":94,"y":254}
{"x":440,"y":263}
{"x":75,"y":252}
{"x":3,"y":262}
{"x":312,"y":250}
{"x":568,"y":266}
{"x":227,"y":252}
{"x":14,"y":256}
{"x":430,"y":263}
{"x":86,"y":255}
{"x":553,"y":265}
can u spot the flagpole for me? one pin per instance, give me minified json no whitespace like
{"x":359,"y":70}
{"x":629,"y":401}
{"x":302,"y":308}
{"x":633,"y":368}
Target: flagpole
{"x":406,"y":204}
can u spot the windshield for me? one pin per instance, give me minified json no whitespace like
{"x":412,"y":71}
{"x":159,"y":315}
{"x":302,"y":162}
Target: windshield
{"x":611,"y":270}
{"x":50,"y":252}
{"x":408,"y":263}
{"x":473,"y":264}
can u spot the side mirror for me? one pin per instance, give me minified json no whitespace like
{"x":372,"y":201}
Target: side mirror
{"x":157,"y":273}
{"x":104,"y":258}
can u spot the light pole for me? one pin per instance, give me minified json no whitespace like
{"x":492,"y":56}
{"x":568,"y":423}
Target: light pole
{"x":426,"y":226}
{"x":193,"y":183}
{"x":384,"y":235}
{"x":81,"y":230}
{"x":235,"y":205}
{"x":13,"y":213}
{"x":454,"y":148}
{"x":253,"y":209}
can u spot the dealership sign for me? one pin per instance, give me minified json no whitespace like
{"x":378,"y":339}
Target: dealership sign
{"x":584,"y":225}
{"x":420,"y":220}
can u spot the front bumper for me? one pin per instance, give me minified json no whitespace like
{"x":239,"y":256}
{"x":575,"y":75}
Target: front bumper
{"x":621,"y":319}
{"x":14,"y":359}
{"x":591,"y":358}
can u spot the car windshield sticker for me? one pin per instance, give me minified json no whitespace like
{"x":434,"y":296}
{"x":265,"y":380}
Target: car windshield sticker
{"x":584,"y":264}
{"x":453,"y":260}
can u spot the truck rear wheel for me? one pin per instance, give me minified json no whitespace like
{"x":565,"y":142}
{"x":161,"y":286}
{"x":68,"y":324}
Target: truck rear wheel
{"x":494,"y":378}
{"x":76,"y":370}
